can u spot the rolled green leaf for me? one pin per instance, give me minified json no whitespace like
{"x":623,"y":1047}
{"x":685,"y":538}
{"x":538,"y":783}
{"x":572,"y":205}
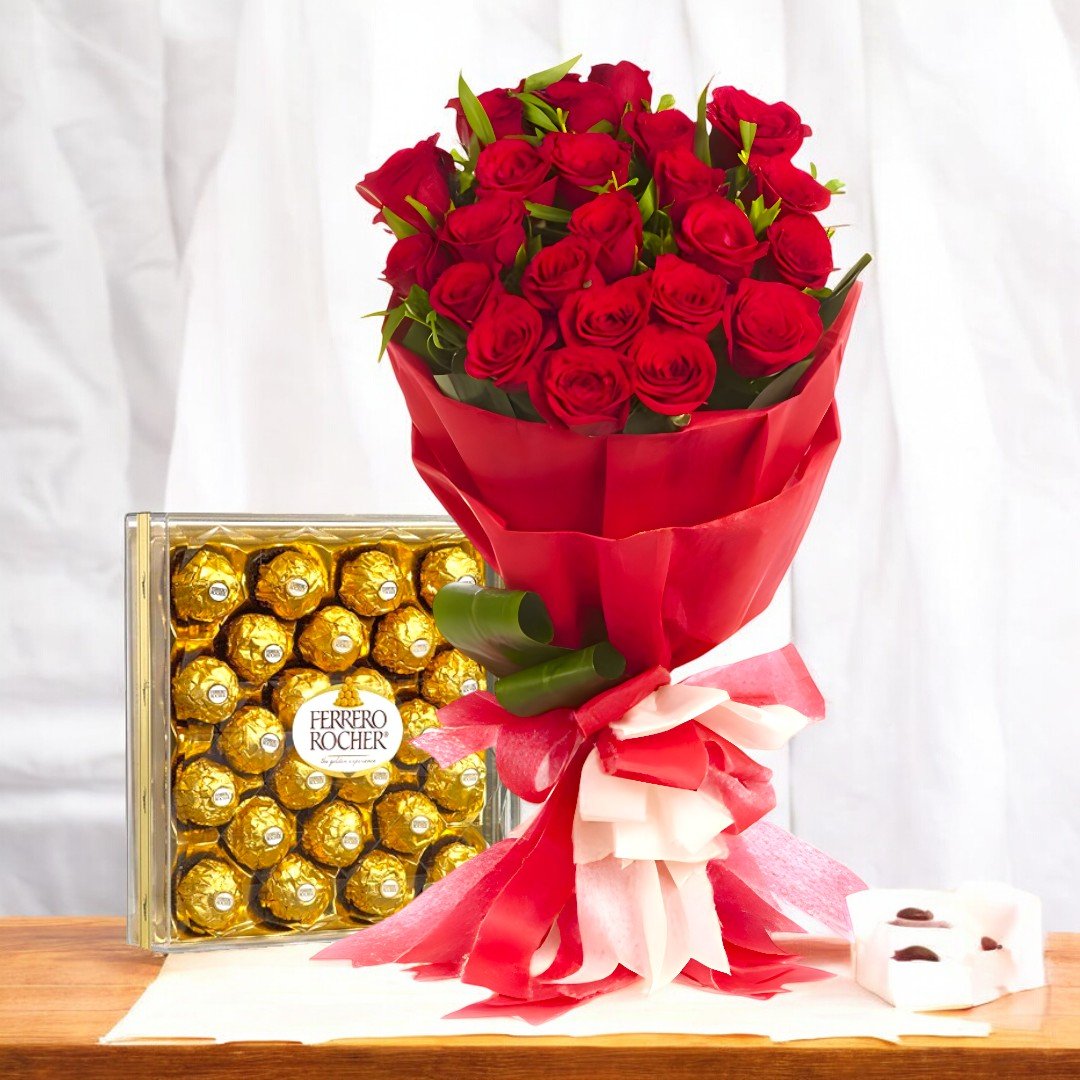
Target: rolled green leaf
{"x":474,"y":113}
{"x":701,"y":130}
{"x":563,"y":682}
{"x":543,"y":79}
{"x":830,"y":307}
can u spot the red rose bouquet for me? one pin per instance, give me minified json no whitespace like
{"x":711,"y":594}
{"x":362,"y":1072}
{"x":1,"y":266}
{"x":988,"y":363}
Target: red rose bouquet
{"x":614,"y":332}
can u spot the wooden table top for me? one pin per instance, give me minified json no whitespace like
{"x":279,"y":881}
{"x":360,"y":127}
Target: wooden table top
{"x":65,"y":982}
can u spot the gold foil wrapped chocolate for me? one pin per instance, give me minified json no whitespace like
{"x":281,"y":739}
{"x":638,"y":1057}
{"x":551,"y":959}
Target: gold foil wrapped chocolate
{"x":374,"y":682}
{"x":372,"y":583}
{"x":292,"y":584}
{"x":257,"y":646}
{"x":444,"y":565}
{"x":260,"y":833}
{"x":206,"y":588}
{"x":404,"y":640}
{"x":335,"y":832}
{"x":299,"y":785}
{"x":447,"y":858}
{"x":365,"y":787}
{"x":458,"y":788}
{"x":296,"y":891}
{"x":210,"y":896}
{"x":252,"y":740}
{"x":333,"y":639}
{"x":206,"y":689}
{"x":408,"y":821}
{"x":379,"y":885}
{"x":417,"y":716}
{"x":450,"y":675}
{"x":205,"y":792}
{"x":294,"y":687}
{"x":194,"y":739}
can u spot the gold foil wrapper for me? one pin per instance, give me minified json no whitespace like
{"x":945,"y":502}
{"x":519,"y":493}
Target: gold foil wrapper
{"x":417,"y":716}
{"x":444,"y":565}
{"x":404,"y":640}
{"x":372,"y":583}
{"x":299,"y":785}
{"x":374,"y":682}
{"x":458,"y":788}
{"x":334,"y":639}
{"x":261,"y":833}
{"x":336,"y":832}
{"x":408,"y":821}
{"x":194,"y":739}
{"x":207,"y":690}
{"x":294,"y":687}
{"x":252,"y":740}
{"x":367,"y":786}
{"x":211,"y":896}
{"x":447,"y":859}
{"x":292,"y":584}
{"x":206,"y":793}
{"x":206,"y":588}
{"x":379,"y":885}
{"x":451,"y":675}
{"x":295,"y":891}
{"x":257,"y":646}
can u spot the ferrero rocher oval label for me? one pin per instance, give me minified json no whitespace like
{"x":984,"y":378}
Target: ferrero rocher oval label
{"x":343,"y":739}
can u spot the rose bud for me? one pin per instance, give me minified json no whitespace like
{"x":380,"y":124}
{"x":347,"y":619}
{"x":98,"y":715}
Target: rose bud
{"x":686,"y":296}
{"x":422,"y":171}
{"x":559,"y":270}
{"x":629,"y":83}
{"x":780,"y":131}
{"x":673,"y":372}
{"x":583,"y":388}
{"x":584,"y":161}
{"x":505,"y":340}
{"x":512,"y":166}
{"x":612,"y":222}
{"x":718,"y":236}
{"x":799,"y":252}
{"x":462,"y":290}
{"x":489,"y":231}
{"x":770,"y":327}
{"x":586,"y":104}
{"x":653,"y":132}
{"x":503,"y":110}
{"x":416,"y":260}
{"x":681,"y":177}
{"x":798,"y":192}
{"x":607,"y":315}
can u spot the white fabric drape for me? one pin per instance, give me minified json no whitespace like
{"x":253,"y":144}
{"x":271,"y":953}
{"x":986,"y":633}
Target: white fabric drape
{"x":184,"y":267}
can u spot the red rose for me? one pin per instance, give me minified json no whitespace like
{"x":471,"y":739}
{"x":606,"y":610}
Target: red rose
{"x":586,"y":104}
{"x":503,"y":110}
{"x":415,"y":260}
{"x":585,"y":161}
{"x":717,"y":235}
{"x":798,"y":192}
{"x":422,"y":172}
{"x":686,"y":296}
{"x":672,"y":371}
{"x":607,"y":315}
{"x":512,"y":166}
{"x":626,"y":81}
{"x":771,"y":326}
{"x":462,"y":290}
{"x":779,"y":128}
{"x":681,"y":177}
{"x":799,"y":252}
{"x":653,"y":132}
{"x":505,"y":341}
{"x":612,"y":222}
{"x":489,"y":231}
{"x":559,"y":270}
{"x":583,"y":388}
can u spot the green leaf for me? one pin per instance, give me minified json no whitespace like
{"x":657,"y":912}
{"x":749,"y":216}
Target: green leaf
{"x":603,"y":127}
{"x":539,"y":119}
{"x":813,"y":170}
{"x":458,"y":384}
{"x":667,"y":101}
{"x":647,"y":202}
{"x":781,"y":386}
{"x":730,"y":390}
{"x":832,"y":306}
{"x":390,"y":324}
{"x":523,"y":407}
{"x":701,"y":130}
{"x":424,"y":212}
{"x":474,"y":113}
{"x":643,"y":421}
{"x":543,"y":79}
{"x":563,"y":682}
{"x":836,"y":186}
{"x":398,"y":225}
{"x":547,"y":213}
{"x":761,"y":217}
{"x":747,"y":131}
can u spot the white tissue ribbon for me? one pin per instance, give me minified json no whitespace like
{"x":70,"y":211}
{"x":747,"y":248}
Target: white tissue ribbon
{"x":962,"y":948}
{"x":642,"y":850}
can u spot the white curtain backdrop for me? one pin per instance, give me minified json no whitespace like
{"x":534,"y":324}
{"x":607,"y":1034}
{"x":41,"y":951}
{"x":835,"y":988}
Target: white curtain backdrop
{"x":183,"y":270}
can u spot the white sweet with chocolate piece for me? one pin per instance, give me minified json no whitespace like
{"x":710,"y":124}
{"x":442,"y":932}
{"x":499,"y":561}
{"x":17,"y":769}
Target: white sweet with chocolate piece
{"x":925,"y":950}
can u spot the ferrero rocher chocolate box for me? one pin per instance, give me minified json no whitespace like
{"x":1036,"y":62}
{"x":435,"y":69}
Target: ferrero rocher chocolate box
{"x":278,"y":671}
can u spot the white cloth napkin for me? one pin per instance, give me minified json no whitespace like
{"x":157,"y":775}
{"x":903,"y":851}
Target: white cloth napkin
{"x":278,"y":994}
